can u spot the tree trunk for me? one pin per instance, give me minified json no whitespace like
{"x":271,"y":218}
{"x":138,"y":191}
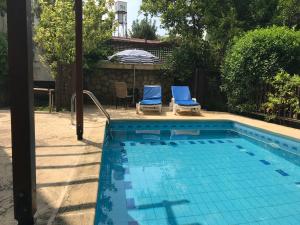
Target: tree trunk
{"x":64,"y":86}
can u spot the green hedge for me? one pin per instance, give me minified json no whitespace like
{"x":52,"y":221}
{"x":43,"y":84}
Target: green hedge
{"x":253,"y":60}
{"x":283,"y":99}
{"x":3,"y":70}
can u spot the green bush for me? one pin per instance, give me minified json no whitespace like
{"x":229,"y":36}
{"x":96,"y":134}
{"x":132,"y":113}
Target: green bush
{"x":187,"y":55}
{"x":283,"y":98}
{"x":3,"y":70}
{"x":253,"y":60}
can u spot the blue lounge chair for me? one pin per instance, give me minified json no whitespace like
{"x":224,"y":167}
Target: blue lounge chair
{"x":182,"y":100}
{"x":151,"y":99}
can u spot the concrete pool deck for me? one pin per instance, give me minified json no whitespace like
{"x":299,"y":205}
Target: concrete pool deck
{"x":68,"y":170}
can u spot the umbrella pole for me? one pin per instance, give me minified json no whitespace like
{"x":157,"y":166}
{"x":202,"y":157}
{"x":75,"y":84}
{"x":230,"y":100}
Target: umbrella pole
{"x":133,"y":84}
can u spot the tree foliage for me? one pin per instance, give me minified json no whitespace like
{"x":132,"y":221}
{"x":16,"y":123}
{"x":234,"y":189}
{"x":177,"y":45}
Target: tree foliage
{"x":282,"y":97}
{"x":226,"y":19}
{"x":254,"y":60}
{"x":145,"y":29}
{"x":181,"y":17}
{"x":222,"y":19}
{"x":187,"y":57}
{"x":184,"y":21}
{"x":55,"y":32}
{"x":288,"y":13}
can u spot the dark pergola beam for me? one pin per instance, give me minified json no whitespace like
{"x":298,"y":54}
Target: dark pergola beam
{"x":79,"y":71}
{"x":20,"y":55}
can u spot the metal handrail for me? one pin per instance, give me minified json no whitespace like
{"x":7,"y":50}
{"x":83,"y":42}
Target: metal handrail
{"x":94,"y":99}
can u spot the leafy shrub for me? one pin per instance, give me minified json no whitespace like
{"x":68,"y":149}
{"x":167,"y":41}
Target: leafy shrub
{"x":188,"y":55}
{"x":283,"y":97}
{"x":3,"y":70}
{"x":193,"y":56}
{"x":253,"y":60}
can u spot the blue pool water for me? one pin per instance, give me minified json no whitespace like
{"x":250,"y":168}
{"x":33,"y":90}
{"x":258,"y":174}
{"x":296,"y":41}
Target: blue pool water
{"x":197,"y":173}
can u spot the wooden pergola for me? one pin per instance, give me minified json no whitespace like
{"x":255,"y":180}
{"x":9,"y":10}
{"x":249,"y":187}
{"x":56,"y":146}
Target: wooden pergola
{"x":20,"y":59}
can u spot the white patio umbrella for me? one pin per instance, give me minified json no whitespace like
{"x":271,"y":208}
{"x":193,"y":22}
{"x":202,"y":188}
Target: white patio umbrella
{"x":134,"y":57}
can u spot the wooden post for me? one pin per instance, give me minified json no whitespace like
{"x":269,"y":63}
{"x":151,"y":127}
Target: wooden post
{"x":79,"y":71}
{"x":22,"y":116}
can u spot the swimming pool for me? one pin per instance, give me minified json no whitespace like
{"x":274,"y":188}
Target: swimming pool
{"x":196,"y":173}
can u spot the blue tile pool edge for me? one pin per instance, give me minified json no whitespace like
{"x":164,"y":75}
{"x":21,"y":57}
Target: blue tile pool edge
{"x":106,"y":137}
{"x":268,"y":131}
{"x":233,"y":124}
{"x":133,"y":124}
{"x":276,"y":140}
{"x":285,"y":142}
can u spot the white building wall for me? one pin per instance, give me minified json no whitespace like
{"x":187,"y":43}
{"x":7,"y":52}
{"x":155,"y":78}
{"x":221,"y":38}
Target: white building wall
{"x":41,"y":72}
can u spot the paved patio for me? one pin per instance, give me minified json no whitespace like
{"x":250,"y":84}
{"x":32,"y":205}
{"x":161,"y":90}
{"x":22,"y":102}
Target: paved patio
{"x":68,"y":170}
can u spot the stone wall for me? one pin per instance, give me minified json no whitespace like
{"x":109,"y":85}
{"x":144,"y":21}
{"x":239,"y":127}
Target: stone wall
{"x":102,"y":83}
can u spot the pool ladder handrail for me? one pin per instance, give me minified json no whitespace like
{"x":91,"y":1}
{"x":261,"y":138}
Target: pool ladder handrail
{"x":94,"y":99}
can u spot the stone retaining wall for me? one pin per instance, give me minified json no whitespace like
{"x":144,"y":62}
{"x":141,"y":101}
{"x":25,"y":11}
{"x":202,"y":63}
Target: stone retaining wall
{"x":102,"y":83}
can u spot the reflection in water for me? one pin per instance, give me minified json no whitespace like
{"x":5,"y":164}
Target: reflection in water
{"x":149,"y":134}
{"x":112,"y":172}
{"x":171,"y":218}
{"x":111,"y":164}
{"x":173,"y":134}
{"x":183,"y":134}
